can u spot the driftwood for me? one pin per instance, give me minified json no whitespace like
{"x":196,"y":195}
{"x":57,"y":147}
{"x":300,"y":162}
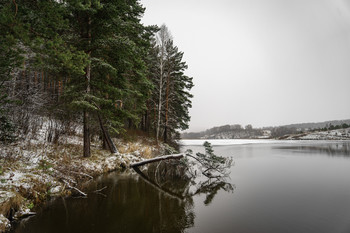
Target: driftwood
{"x":76,"y":189}
{"x":165,"y":157}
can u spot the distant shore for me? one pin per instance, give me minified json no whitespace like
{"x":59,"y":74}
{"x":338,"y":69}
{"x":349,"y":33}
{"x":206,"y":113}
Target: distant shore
{"x":336,"y":134}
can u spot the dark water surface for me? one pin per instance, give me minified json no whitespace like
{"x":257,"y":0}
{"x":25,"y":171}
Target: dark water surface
{"x":278,"y":187}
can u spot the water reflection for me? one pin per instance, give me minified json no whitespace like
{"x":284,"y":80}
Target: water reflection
{"x":173,"y":179}
{"x":299,"y":193}
{"x":341,"y":149}
{"x":129,"y":204}
{"x":160,"y":201}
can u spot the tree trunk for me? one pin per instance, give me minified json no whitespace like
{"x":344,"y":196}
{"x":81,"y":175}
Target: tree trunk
{"x":161,"y":66}
{"x":146,"y":121}
{"x":104,"y":143}
{"x":130,"y":123}
{"x":87,"y":80}
{"x":106,"y":137}
{"x":166,"y":110}
{"x":165,"y":157}
{"x":159,"y":106}
{"x":86,"y":135}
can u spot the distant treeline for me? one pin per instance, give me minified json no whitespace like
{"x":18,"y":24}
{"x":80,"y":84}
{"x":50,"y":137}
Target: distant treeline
{"x":318,"y":125}
{"x":226,"y":132}
{"x":238,"y":132}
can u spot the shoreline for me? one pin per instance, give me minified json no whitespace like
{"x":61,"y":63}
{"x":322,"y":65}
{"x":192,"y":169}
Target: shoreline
{"x":336,"y":134}
{"x":31,"y":173}
{"x":229,"y":142}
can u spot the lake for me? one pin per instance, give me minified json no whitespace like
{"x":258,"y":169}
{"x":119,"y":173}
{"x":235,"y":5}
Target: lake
{"x":274,"y":186}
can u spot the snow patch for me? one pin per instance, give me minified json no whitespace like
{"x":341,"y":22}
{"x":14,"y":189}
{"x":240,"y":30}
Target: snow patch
{"x":4,"y":223}
{"x":56,"y":189}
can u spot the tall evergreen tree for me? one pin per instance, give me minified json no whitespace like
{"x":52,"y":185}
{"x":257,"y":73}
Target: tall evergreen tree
{"x":171,"y":97}
{"x":9,"y":59}
{"x":32,"y":39}
{"x":177,"y":94}
{"x":115,"y":41}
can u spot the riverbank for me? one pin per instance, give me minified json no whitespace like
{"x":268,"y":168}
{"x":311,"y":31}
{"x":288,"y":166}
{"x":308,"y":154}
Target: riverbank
{"x":33,"y":171}
{"x":336,"y":134}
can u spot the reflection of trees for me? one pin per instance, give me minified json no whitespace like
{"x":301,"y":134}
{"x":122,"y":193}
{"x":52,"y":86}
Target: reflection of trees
{"x":159,"y":199}
{"x":332,"y":149}
{"x":172,"y":178}
{"x":130,"y":205}
{"x":211,"y":187}
{"x":178,"y":178}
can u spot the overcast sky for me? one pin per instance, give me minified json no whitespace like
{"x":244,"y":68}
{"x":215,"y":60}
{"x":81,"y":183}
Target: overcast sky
{"x":261,"y":62}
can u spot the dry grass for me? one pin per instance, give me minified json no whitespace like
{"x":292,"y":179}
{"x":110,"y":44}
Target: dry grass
{"x":12,"y":205}
{"x":142,"y":149}
{"x":147,"y":153}
{"x":62,"y":161}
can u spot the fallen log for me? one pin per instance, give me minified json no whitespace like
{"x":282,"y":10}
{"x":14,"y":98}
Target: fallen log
{"x":165,"y":157}
{"x":157,"y":186}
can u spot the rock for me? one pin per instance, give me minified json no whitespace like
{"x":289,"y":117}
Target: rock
{"x":4,"y":224}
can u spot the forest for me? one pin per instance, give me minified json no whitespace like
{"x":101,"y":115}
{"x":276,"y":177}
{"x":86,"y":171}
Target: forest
{"x":90,"y":63}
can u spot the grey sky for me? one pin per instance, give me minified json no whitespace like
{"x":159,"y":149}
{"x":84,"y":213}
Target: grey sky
{"x":261,"y":62}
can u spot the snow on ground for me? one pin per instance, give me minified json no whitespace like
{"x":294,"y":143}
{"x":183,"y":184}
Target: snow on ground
{"x":32,"y":169}
{"x":336,"y":134}
{"x":4,"y":223}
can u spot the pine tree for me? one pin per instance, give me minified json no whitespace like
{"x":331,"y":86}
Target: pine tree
{"x":10,"y":59}
{"x":178,"y":96}
{"x":33,"y":44}
{"x":115,"y":41}
{"x":171,"y":97}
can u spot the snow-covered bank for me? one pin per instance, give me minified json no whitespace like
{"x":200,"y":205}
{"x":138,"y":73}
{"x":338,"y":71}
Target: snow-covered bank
{"x":336,"y":134}
{"x":32,"y":171}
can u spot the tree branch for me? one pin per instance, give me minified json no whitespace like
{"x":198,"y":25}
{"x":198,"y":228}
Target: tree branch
{"x":14,"y":2}
{"x":165,"y":157}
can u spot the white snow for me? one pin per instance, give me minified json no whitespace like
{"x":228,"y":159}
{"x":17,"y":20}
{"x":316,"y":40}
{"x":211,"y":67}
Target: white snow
{"x":56,"y":189}
{"x":4,"y":223}
{"x":337,"y":134}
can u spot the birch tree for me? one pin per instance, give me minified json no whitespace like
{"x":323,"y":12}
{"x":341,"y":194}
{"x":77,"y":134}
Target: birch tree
{"x":162,"y":38}
{"x":171,"y":96}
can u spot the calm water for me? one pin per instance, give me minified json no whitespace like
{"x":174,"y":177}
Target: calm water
{"x":277,"y":187}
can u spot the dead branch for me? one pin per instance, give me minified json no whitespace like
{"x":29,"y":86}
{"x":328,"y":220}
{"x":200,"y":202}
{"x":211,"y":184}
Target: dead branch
{"x":99,"y":190}
{"x":165,"y":157}
{"x":76,"y":189}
